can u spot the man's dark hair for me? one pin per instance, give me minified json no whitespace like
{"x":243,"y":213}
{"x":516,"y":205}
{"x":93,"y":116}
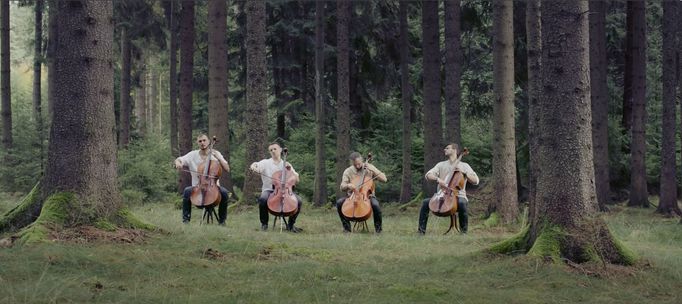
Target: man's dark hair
{"x":454,"y":146}
{"x":275,"y":143}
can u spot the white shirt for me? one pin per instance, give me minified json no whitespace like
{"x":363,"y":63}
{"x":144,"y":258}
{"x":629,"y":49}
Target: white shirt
{"x":192,"y":160}
{"x":444,"y":169}
{"x":267,"y":168}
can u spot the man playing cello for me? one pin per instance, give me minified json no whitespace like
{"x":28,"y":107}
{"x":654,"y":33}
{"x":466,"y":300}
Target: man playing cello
{"x":440,"y":173}
{"x":357,"y":168}
{"x":266,"y":168}
{"x":192,"y":160}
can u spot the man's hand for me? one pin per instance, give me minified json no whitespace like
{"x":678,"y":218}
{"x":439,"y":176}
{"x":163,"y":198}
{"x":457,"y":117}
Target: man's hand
{"x":442,"y":183}
{"x":254,"y":167}
{"x":178,"y":164}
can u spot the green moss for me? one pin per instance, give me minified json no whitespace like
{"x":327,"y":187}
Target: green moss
{"x":492,"y":221}
{"x":517,"y":243}
{"x":28,"y":201}
{"x":35,"y":233}
{"x":56,"y":208}
{"x":628,"y":257}
{"x":53,"y":215}
{"x":105,"y":225}
{"x":131,"y":220}
{"x":591,"y":254}
{"x":548,"y":243}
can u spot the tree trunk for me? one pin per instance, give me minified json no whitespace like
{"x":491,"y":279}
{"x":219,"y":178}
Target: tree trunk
{"x":638,"y":187}
{"x":186,"y":80}
{"x":256,"y":94}
{"x":141,"y":104}
{"x":343,"y":93}
{"x":320,"y":188}
{"x":433,"y":131}
{"x":453,"y":72}
{"x":37,"y":65}
{"x":627,"y":75}
{"x":82,"y":149}
{"x":534,"y":54}
{"x":153,"y":101}
{"x":279,"y":87}
{"x":5,"y":95}
{"x":172,"y":21}
{"x":124,"y":104}
{"x":406,"y":97}
{"x":52,"y":35}
{"x":679,"y":71}
{"x":218,"y":113}
{"x":504,"y":152}
{"x":668,"y":198}
{"x":600,"y":101}
{"x":567,"y":226}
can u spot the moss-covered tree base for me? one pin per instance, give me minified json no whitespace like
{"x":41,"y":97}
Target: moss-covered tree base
{"x":59,"y":211}
{"x":591,"y":243}
{"x":24,"y":213}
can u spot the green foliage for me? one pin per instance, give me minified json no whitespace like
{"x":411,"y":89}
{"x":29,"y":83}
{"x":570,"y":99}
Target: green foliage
{"x":146,"y":171}
{"x":22,"y":165}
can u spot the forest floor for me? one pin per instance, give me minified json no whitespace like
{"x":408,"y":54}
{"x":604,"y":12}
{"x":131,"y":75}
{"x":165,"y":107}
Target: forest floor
{"x":238,"y":263}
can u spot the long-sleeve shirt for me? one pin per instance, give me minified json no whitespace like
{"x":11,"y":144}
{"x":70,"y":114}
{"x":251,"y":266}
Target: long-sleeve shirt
{"x":443,"y":170}
{"x":267,"y":168}
{"x":351,"y":172}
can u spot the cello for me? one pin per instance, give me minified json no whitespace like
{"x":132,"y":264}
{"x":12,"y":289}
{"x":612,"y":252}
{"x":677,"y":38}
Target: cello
{"x":357,"y":207}
{"x":207,"y":193}
{"x":282,"y":201}
{"x":444,"y":202}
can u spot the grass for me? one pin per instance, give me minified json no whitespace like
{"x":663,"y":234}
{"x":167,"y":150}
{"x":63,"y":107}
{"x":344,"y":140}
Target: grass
{"x":324,"y":265}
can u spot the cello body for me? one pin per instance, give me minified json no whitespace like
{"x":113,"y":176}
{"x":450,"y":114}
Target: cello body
{"x":207,"y":192}
{"x":444,"y":202}
{"x":282,"y":201}
{"x":358,"y":207}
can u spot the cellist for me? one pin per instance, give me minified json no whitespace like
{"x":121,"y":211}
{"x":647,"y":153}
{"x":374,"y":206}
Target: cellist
{"x":266,"y":168}
{"x":357,"y":167}
{"x":192,"y":160}
{"x":440,"y":173}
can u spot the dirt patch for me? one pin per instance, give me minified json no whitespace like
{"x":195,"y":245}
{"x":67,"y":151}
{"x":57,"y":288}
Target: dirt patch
{"x":91,"y":234}
{"x":606,"y":270}
{"x":213,"y":254}
{"x":8,"y":242}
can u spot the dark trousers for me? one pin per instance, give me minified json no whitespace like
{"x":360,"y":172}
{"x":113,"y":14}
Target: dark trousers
{"x":187,"y":207}
{"x":461,"y":212}
{"x":265,"y":215}
{"x":376,"y":212}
